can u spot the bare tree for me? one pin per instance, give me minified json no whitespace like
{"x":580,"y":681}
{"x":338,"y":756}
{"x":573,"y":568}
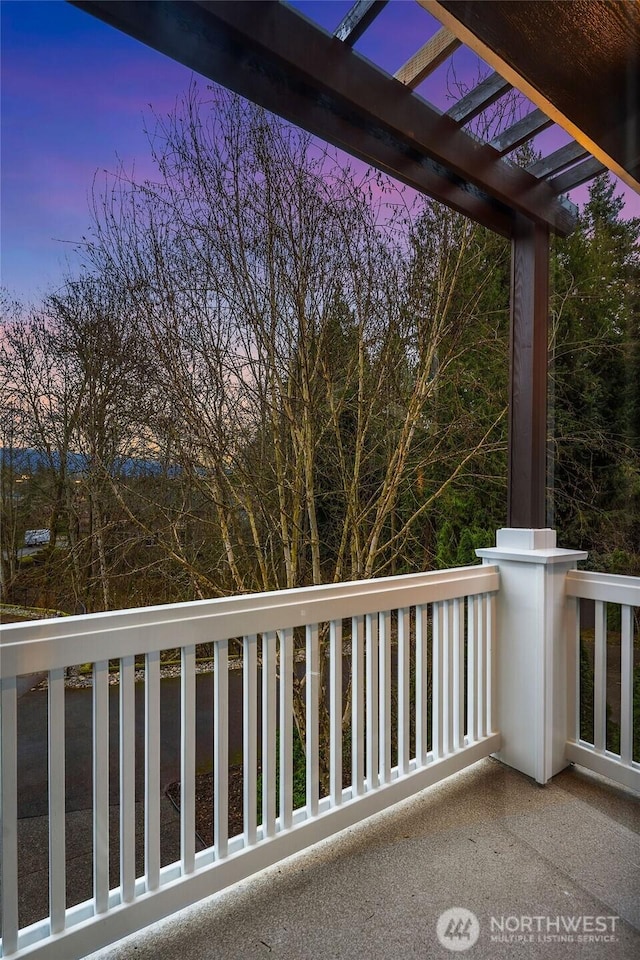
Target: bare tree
{"x":301,"y":320}
{"x":74,"y":372}
{"x":39,"y":406}
{"x":96,"y":341}
{"x":300,"y":329}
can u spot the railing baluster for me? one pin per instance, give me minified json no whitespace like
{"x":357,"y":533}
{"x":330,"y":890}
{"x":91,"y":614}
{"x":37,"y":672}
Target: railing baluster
{"x":286,"y":727}
{"x":335,"y":711}
{"x":9,"y":813}
{"x":458,"y":674}
{"x":268,"y":734}
{"x":101,"y":785}
{"x":357,"y":705}
{"x":600,"y":677}
{"x":221,"y":747}
{"x":57,"y":842}
{"x":481,"y":647}
{"x":312,"y":706}
{"x":437,"y":683}
{"x":384,"y":649}
{"x":422,"y":704}
{"x":454,"y":686}
{"x":371,"y":630}
{"x":573,"y":668}
{"x":472,"y":669}
{"x":187,"y":757}
{"x":491,"y":662}
{"x":626,"y":688}
{"x":403,"y":690}
{"x":152,"y":770}
{"x":249,"y":736}
{"x":127,"y":779}
{"x":447,"y":676}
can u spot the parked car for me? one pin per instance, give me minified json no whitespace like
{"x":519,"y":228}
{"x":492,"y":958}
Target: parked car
{"x":36,"y":538}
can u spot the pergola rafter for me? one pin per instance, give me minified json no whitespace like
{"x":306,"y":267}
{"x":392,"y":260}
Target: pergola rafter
{"x":483,"y":95}
{"x":428,"y":58}
{"x":558,"y":160}
{"x":521,"y":132}
{"x":360,"y":16}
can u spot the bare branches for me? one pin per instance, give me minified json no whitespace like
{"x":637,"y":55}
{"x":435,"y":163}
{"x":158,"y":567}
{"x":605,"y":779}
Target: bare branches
{"x":277,"y":336}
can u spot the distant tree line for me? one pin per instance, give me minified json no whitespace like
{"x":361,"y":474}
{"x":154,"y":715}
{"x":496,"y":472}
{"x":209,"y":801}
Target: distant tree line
{"x":317,"y":369}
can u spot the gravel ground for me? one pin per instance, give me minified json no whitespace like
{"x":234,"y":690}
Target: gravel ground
{"x":166,"y":670}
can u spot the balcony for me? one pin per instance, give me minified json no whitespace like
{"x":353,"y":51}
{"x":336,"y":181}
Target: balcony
{"x":445,"y":700}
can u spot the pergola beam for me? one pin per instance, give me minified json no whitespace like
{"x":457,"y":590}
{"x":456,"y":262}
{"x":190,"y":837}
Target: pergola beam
{"x":268,"y":53}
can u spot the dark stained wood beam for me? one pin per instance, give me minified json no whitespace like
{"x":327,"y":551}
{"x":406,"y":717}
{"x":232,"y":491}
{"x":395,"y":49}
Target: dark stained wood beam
{"x":271,"y":55}
{"x":482,"y":96}
{"x":517,"y":134}
{"x":558,"y":160}
{"x":582,"y":172}
{"x":359,"y":17}
{"x":578,"y":61}
{"x":427,"y":59}
{"x":528,"y":380}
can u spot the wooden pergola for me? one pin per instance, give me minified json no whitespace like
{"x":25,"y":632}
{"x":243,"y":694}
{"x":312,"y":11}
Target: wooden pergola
{"x":578,"y":62}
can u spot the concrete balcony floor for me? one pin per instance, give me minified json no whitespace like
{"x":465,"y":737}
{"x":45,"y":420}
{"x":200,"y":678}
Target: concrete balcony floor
{"x":487,"y":839}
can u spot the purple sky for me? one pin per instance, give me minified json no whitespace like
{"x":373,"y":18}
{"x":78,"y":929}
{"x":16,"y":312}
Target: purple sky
{"x":75,"y":94}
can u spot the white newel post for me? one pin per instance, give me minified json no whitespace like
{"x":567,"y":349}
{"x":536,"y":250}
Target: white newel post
{"x":531,"y":662}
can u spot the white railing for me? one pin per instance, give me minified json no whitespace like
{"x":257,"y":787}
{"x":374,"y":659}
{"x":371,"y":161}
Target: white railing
{"x":595,"y":739}
{"x":409,"y":663}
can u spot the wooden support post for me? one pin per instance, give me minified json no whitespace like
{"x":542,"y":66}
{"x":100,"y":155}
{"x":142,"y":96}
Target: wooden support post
{"x":528,"y":383}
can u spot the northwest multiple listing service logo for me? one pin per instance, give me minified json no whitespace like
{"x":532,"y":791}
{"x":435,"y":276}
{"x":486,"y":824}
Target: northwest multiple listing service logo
{"x":458,"y":929}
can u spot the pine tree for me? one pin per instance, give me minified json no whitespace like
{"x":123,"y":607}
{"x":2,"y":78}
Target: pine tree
{"x":595,"y":344}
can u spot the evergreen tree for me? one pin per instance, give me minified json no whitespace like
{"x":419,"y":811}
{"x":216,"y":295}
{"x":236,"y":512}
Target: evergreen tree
{"x":595,"y":398}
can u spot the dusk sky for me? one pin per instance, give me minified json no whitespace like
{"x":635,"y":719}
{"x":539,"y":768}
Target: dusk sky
{"x":75,"y":97}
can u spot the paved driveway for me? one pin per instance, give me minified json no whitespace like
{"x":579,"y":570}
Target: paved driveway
{"x":32,"y":740}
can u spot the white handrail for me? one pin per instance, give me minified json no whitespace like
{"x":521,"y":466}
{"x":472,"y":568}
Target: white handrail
{"x":610,"y":587}
{"x":29,"y":647}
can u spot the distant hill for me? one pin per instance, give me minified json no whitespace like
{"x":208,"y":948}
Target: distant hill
{"x":28,"y":460}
